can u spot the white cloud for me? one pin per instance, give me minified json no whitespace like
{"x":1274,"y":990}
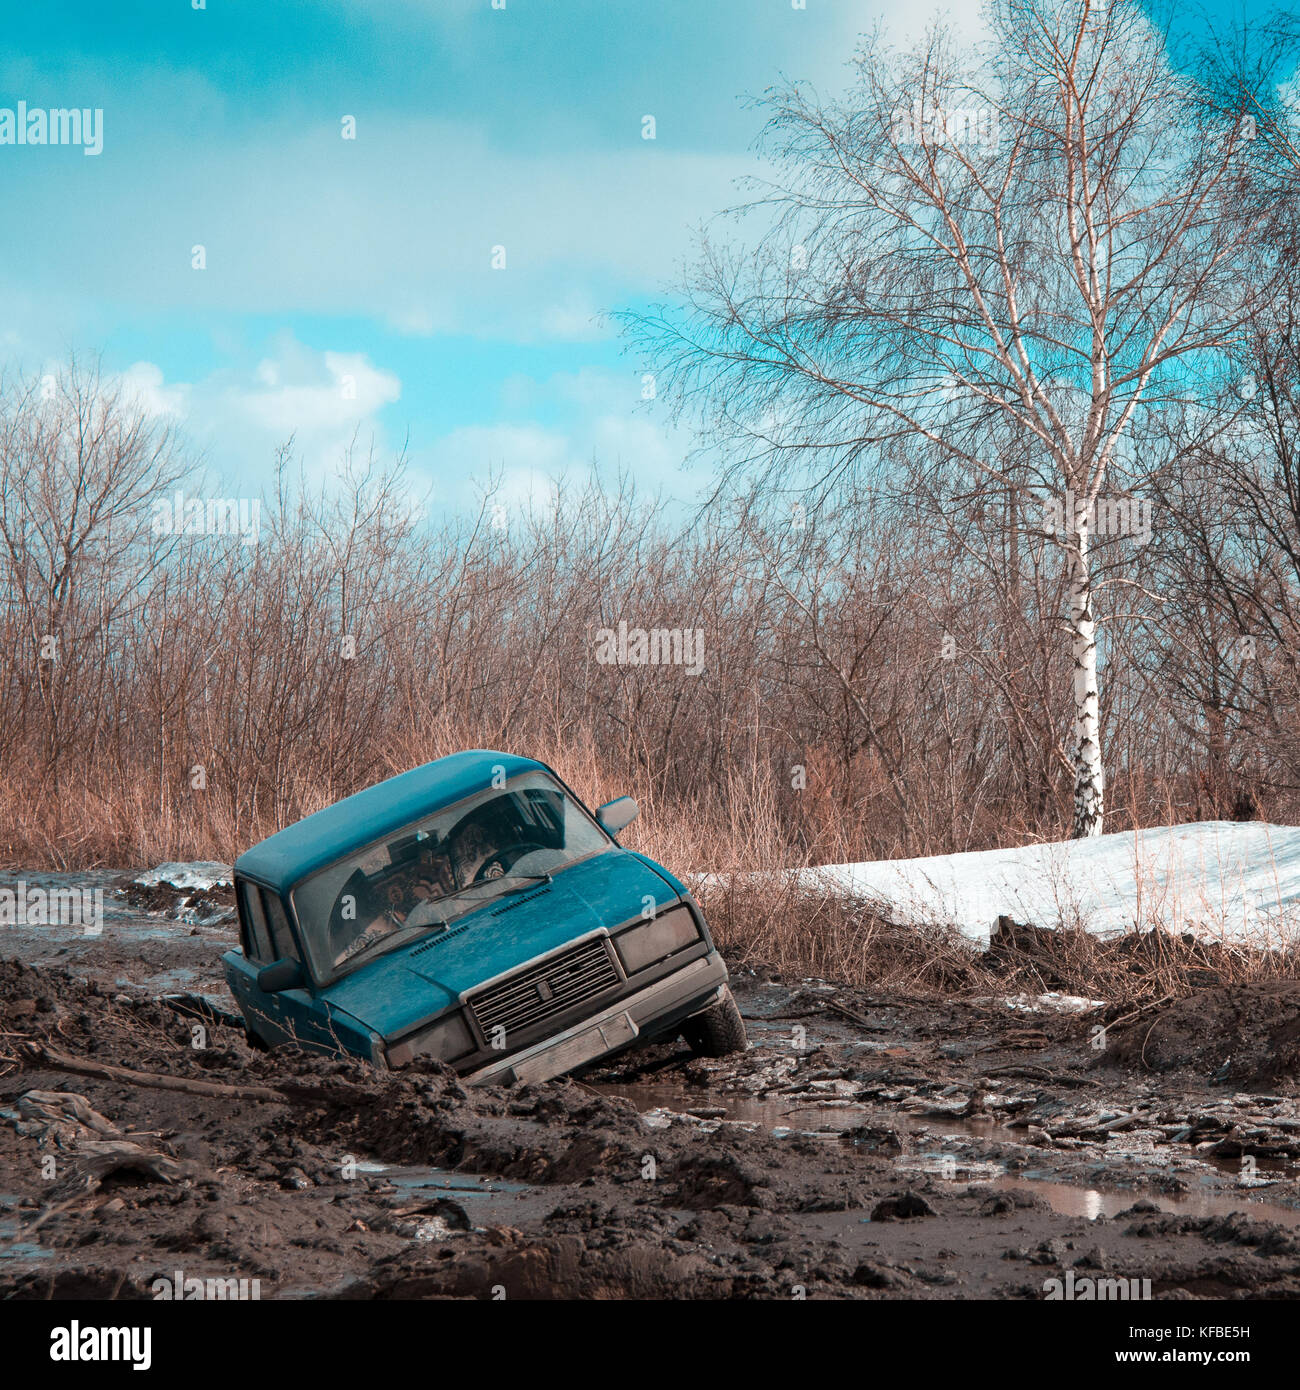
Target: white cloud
{"x":399,"y":224}
{"x":305,"y":392}
{"x":611,"y":429}
{"x":143,"y":384}
{"x":239,"y":417}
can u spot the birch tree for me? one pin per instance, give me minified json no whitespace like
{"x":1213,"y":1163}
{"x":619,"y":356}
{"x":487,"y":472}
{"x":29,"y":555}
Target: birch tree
{"x":1017,"y":254}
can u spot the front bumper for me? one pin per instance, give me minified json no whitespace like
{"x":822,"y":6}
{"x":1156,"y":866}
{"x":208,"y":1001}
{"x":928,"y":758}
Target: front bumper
{"x":695,"y":986}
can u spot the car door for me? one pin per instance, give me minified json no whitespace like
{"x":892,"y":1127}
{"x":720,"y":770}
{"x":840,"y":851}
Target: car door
{"x":288,"y":1015}
{"x":265,"y":1013}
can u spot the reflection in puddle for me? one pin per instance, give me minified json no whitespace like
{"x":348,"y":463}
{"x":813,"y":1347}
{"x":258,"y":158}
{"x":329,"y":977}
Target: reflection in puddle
{"x":951,"y":1167}
{"x":658,"y":1104}
{"x":1072,"y":1199}
{"x":661,"y":1105}
{"x":487,"y":1201}
{"x":416,"y":1177}
{"x":1091,"y":1202}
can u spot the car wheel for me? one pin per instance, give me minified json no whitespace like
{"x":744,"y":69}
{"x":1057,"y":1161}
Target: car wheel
{"x":254,"y":1041}
{"x":718,"y":1031}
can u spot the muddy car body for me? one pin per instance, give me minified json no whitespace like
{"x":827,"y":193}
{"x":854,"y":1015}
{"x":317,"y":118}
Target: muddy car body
{"x":474,"y":911}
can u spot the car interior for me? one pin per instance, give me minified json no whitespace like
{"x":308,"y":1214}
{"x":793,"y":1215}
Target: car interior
{"x":423,"y":867}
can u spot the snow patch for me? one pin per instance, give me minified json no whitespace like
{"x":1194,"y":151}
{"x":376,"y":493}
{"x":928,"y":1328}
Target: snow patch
{"x":200,"y":874}
{"x":1052,"y":1002}
{"x":1238,"y":882}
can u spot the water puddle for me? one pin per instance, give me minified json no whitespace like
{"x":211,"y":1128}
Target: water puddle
{"x":416,"y":1177}
{"x":11,"y":1248}
{"x":119,"y":917}
{"x":664,"y":1104}
{"x":659,"y":1104}
{"x":1205,"y":1198}
{"x":142,"y":953}
{"x":487,"y":1201}
{"x":1092,"y":1202}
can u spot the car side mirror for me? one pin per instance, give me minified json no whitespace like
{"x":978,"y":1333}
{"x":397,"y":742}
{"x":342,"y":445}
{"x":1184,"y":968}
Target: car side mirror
{"x":279,"y":975}
{"x":617,"y":815}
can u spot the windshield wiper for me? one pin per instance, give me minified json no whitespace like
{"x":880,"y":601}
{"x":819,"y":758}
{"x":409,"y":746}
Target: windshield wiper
{"x":522,"y":881}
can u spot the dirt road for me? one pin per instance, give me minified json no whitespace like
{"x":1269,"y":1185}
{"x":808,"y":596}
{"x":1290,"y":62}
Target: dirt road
{"x":865,"y":1147}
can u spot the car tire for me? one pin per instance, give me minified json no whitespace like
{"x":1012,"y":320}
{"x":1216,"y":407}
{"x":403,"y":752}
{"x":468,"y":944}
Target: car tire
{"x":718,"y":1031}
{"x":254,"y":1041}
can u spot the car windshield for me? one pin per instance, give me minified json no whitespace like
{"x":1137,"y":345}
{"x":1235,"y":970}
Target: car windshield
{"x":439,"y":868}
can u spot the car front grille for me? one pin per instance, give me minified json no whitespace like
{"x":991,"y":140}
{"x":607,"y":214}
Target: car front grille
{"x":546,"y":990}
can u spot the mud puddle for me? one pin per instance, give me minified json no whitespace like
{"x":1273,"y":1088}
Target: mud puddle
{"x":979,"y":1151}
{"x":11,"y":1227}
{"x":111,"y":939}
{"x":662,"y":1104}
{"x":1092,"y":1202}
{"x":1207,"y":1197}
{"x":486,"y":1201}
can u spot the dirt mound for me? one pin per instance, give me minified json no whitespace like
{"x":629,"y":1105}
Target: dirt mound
{"x":557,"y":1133}
{"x":1245,"y":1036}
{"x":560,"y":1267}
{"x":1131,"y":966}
{"x":215,"y":901}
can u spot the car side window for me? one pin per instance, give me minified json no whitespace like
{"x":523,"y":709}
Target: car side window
{"x":281,"y":936}
{"x":258,"y":944}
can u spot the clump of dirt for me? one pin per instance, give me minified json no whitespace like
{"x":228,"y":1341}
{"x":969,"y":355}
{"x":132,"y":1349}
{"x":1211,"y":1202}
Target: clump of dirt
{"x":1133,"y":968}
{"x":624,"y":1265}
{"x":904,"y":1207}
{"x":1247,"y":1035}
{"x":717,"y":1179}
{"x":179,"y":903}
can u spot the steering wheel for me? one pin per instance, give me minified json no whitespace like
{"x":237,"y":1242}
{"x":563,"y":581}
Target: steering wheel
{"x":497,"y":863}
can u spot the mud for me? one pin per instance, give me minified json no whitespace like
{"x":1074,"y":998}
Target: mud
{"x":864,"y":1147}
{"x":1247,"y":1035}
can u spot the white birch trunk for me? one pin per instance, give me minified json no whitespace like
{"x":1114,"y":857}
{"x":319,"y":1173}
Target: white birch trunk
{"x":1089,"y":779}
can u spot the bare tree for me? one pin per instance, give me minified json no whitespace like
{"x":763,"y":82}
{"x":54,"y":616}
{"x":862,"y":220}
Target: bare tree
{"x":78,"y":463}
{"x":1012,"y":255}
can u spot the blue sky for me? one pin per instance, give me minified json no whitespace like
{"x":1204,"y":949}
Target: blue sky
{"x":349,"y":283}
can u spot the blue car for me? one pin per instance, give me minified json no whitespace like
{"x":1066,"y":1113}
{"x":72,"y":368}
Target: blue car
{"x":474,"y":911}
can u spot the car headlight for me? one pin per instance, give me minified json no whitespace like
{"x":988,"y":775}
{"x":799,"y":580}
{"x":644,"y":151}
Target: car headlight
{"x":660,"y":937}
{"x":446,"y":1040}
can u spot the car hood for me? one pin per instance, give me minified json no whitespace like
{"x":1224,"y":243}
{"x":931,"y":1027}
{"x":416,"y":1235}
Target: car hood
{"x":396,"y":991}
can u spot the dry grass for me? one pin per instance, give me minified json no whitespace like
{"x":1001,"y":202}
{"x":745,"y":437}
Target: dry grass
{"x":108,"y":816}
{"x":778,"y":924}
{"x":1135,"y":968}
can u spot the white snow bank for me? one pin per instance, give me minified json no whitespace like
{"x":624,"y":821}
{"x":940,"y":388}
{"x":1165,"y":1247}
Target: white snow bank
{"x":1053,"y":1002}
{"x":1220,"y":878}
{"x":201,"y":874}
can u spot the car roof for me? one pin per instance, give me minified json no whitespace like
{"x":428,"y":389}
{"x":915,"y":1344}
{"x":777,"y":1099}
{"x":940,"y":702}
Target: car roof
{"x":288,"y":856}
